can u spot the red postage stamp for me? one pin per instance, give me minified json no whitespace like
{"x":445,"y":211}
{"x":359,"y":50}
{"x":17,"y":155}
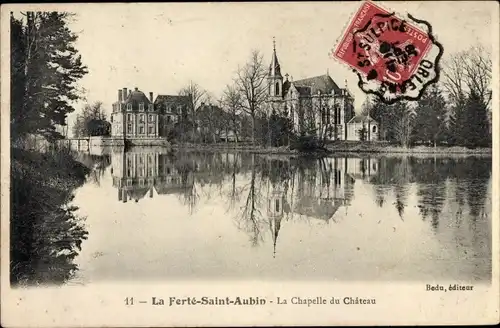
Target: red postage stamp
{"x":387,"y":49}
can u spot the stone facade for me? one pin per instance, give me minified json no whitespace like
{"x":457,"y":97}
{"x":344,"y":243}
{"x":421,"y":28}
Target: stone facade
{"x":314,"y":104}
{"x":135,"y":116}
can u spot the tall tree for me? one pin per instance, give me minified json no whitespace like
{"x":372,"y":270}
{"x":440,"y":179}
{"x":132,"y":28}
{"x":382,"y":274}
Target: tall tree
{"x":403,"y":123}
{"x":469,"y":71}
{"x":45,"y":68}
{"x":430,"y":119}
{"x":457,"y":120}
{"x":382,"y":113}
{"x":476,"y":130}
{"x":251,"y":83}
{"x":232,"y":103}
{"x":196,"y":95}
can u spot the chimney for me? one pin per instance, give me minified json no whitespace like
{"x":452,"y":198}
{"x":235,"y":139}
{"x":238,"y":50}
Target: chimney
{"x":136,"y":89}
{"x":124,"y":95}
{"x":151,"y":96}
{"x":120,"y":93}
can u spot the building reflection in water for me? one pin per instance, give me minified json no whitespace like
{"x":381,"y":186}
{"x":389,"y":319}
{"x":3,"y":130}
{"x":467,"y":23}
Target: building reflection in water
{"x":266,"y":195}
{"x":141,"y":171}
{"x":323,"y":187}
{"x":312,"y":189}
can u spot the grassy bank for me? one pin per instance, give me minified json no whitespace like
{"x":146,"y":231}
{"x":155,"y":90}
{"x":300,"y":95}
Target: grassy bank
{"x":340,"y":147}
{"x":45,"y":233}
{"x":229,"y":147}
{"x":381,"y":147}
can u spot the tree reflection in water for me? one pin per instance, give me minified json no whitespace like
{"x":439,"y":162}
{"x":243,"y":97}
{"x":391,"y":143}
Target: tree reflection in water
{"x":263,"y":191}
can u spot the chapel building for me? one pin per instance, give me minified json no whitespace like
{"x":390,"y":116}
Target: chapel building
{"x":314,"y":104}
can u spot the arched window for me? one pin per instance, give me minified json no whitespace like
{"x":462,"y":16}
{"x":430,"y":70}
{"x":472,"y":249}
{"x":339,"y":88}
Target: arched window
{"x":374,"y":129}
{"x":277,"y":89}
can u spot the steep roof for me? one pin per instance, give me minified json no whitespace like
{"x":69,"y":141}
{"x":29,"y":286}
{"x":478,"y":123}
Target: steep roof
{"x":137,"y":96}
{"x":165,"y":188}
{"x":138,"y":193}
{"x":318,"y":209}
{"x":274,"y":67}
{"x":303,"y":91}
{"x":322,"y":83}
{"x":171,"y":99}
{"x":361,"y":119}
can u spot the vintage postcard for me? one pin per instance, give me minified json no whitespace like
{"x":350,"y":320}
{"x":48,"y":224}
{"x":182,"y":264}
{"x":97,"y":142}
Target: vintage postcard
{"x":250,"y":164}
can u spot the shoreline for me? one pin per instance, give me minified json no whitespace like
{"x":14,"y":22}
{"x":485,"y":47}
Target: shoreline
{"x":333,"y":149}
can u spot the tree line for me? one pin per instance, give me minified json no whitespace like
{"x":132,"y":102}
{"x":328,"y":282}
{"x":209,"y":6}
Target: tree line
{"x":45,"y":68}
{"x":454,"y":112}
{"x":243,"y":113}
{"x":45,"y":233}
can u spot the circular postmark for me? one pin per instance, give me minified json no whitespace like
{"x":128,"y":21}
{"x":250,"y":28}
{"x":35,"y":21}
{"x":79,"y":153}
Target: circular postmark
{"x":394,"y":58}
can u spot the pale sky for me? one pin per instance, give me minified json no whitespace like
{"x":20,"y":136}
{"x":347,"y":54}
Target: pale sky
{"x":160,"y":47}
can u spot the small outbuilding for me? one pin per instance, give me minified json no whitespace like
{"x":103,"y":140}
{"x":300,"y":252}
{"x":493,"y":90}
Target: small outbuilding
{"x":362,"y":128}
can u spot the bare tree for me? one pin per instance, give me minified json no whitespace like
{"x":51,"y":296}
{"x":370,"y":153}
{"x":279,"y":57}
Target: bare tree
{"x":196,"y":96}
{"x":232,"y":103}
{"x":469,"y":71}
{"x":251,"y":83}
{"x":403,"y":124}
{"x":250,"y":219}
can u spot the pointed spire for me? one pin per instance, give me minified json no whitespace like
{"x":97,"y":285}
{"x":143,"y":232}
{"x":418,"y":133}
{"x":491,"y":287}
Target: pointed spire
{"x":275,"y":226}
{"x":274,"y":68}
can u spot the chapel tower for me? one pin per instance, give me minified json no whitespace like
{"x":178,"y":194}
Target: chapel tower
{"x":275,"y":79}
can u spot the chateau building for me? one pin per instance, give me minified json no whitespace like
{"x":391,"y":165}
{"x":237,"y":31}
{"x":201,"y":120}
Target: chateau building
{"x":314,"y":104}
{"x":137,"y":116}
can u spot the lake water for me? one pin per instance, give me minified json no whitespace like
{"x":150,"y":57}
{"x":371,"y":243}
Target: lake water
{"x":152,"y":216}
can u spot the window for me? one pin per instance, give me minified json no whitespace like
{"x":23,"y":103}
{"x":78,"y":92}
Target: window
{"x":169,"y":118}
{"x":277,"y":89}
{"x":129,"y":106}
{"x":141,"y":130}
{"x":151,"y":129}
{"x":129,"y":117}
{"x":141,"y":107}
{"x":374,"y":129}
{"x":141,"y":118}
{"x":151,"y":118}
{"x":277,"y":205}
{"x":151,"y":107}
{"x":129,"y":128}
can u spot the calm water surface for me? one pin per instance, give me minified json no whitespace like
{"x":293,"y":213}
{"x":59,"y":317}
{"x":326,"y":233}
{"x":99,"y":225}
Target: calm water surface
{"x":153,"y":216}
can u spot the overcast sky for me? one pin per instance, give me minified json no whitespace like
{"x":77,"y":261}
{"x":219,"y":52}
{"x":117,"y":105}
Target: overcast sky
{"x":160,"y":47}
